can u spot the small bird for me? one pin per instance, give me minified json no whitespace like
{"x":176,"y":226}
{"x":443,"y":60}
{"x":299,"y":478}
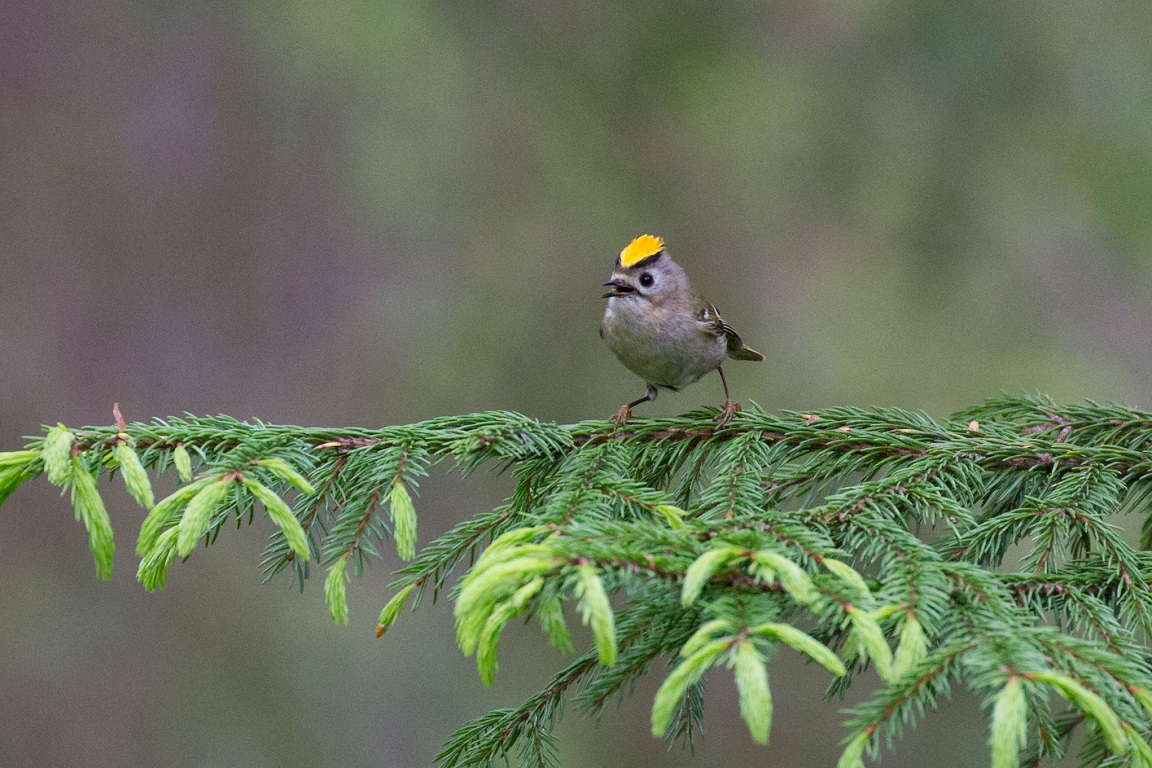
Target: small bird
{"x":661,"y":329}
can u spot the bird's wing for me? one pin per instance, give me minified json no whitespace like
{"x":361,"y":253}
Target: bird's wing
{"x":711,"y":322}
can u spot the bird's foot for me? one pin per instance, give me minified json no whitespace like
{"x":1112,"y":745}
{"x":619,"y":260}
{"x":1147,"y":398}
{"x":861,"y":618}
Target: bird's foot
{"x":622,"y":416}
{"x":729,"y":410}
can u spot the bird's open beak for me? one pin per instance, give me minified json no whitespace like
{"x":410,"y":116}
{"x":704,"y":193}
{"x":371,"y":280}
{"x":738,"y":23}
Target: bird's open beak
{"x":619,"y":288}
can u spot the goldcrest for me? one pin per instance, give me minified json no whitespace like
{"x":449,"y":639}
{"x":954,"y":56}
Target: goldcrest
{"x":661,"y":329}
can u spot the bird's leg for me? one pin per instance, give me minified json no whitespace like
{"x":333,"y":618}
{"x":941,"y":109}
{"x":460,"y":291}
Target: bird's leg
{"x":730,"y":408}
{"x":625,"y":411}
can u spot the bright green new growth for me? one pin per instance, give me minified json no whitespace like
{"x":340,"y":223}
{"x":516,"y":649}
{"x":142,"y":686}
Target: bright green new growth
{"x":870,"y":640}
{"x":895,"y":551}
{"x":164,"y":514}
{"x":1141,"y":754}
{"x":284,"y":471}
{"x":17,"y":459}
{"x":1091,"y":705}
{"x":671,"y":693}
{"x":15,"y":468}
{"x":596,"y":611}
{"x":912,"y":647}
{"x":1009,"y":724}
{"x":702,"y":570}
{"x":802,"y":642}
{"x":674,"y":515}
{"x":752,"y":685}
{"x":771,"y":567}
{"x":90,"y":510}
{"x":135,"y":476}
{"x":853,"y":754}
{"x":183,"y":462}
{"x":550,"y":614}
{"x":55,"y":451}
{"x":403,"y":515}
{"x":336,"y":591}
{"x":392,"y":610}
{"x":197,"y":517}
{"x":281,"y":514}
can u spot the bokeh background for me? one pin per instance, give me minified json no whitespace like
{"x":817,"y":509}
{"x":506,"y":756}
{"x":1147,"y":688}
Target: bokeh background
{"x":372,"y":212}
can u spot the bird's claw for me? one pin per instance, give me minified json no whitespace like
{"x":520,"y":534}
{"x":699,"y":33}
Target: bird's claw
{"x":729,"y":410}
{"x":622,"y":416}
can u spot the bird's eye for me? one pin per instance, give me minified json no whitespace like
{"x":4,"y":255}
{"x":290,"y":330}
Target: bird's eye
{"x":646,"y":280}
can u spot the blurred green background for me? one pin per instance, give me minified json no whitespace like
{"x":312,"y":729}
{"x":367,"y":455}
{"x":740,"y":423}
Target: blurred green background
{"x":366,"y":213}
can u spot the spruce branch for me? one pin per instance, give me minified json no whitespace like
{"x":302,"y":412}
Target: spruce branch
{"x":894,"y":550}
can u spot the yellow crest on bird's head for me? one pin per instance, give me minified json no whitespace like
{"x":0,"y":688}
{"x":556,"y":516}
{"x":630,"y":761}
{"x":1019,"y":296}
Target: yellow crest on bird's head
{"x":640,"y":249}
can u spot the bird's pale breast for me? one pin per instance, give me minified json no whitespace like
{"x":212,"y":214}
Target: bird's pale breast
{"x":664,"y":347}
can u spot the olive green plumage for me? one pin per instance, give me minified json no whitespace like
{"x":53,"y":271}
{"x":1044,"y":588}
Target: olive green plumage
{"x":661,"y":329}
